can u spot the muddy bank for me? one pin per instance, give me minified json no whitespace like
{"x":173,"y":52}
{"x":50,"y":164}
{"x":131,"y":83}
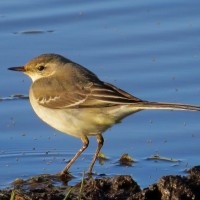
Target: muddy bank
{"x":53,"y":187}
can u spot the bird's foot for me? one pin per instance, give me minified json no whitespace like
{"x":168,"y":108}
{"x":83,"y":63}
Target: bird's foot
{"x":65,"y":176}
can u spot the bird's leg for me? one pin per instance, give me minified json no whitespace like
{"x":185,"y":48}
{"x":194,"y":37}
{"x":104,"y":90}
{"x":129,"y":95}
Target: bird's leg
{"x":100,"y":141}
{"x":85,"y":145}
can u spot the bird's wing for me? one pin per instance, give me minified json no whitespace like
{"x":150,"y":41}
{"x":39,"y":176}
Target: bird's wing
{"x":105,"y":94}
{"x":53,"y":94}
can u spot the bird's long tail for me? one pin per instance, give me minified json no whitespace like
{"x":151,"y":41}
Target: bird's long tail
{"x":168,"y":106}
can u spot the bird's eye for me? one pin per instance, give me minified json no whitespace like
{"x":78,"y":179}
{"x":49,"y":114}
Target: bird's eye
{"x":41,"y":67}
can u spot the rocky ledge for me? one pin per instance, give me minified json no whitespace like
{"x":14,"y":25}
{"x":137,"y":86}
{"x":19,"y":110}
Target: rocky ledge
{"x":53,"y":187}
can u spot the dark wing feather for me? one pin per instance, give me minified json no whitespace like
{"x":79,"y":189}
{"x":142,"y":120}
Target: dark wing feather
{"x":105,"y":94}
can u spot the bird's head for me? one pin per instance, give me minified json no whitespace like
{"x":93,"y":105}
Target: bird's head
{"x":42,"y":66}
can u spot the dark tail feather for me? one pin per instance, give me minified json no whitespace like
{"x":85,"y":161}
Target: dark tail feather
{"x":167,"y":106}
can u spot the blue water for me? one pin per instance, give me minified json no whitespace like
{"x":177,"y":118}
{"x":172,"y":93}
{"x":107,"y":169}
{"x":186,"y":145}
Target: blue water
{"x":148,"y":48}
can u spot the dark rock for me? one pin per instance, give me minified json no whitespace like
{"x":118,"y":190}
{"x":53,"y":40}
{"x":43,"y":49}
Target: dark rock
{"x":175,"y":187}
{"x":150,"y":193}
{"x":117,"y":187}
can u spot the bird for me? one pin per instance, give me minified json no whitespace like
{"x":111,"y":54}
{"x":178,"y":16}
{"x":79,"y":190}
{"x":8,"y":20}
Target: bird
{"x":73,"y":100}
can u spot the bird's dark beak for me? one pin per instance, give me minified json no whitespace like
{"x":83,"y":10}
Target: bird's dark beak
{"x":19,"y":69}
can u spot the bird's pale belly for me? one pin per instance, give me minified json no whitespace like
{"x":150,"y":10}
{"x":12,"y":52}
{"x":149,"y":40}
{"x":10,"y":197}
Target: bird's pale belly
{"x":75,"y":122}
